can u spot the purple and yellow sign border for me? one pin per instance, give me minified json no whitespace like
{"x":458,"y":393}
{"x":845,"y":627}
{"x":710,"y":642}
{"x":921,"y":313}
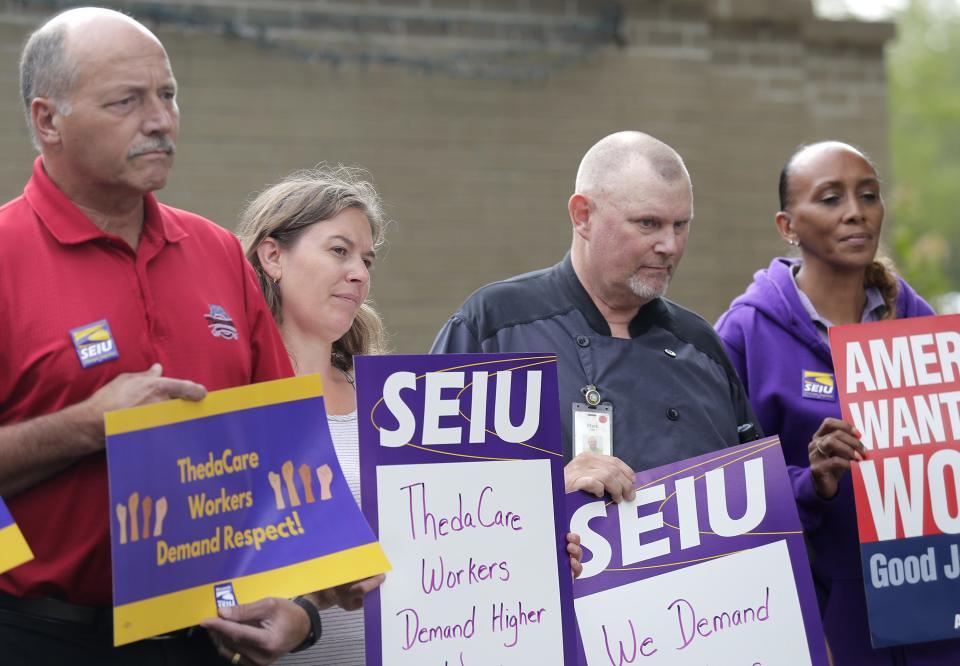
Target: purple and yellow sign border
{"x":14,"y":550}
{"x":288,"y":409}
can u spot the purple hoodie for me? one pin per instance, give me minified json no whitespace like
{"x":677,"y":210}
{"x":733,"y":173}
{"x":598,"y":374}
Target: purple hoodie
{"x":772,"y":342}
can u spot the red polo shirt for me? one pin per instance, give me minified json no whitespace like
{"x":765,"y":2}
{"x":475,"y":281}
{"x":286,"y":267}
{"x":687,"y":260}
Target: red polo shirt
{"x":186,"y":298}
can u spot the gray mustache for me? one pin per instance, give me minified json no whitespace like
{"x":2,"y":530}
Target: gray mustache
{"x":163,"y":143}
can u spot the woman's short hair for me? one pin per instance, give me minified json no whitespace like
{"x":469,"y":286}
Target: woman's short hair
{"x":285,"y":210}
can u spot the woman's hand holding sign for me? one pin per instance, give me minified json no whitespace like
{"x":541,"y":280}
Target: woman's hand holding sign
{"x":348,"y":596}
{"x":264,"y":631}
{"x":832,"y":448}
{"x":576,"y":554}
{"x":258,"y":633}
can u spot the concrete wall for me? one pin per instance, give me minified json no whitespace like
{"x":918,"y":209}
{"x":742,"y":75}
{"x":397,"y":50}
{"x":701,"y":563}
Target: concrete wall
{"x":472,"y":116}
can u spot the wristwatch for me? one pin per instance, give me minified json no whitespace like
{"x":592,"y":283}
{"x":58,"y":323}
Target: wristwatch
{"x":315,"y":627}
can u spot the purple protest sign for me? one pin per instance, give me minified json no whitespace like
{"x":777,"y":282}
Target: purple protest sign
{"x":462,"y":480}
{"x":226,"y":501}
{"x":706,"y":566}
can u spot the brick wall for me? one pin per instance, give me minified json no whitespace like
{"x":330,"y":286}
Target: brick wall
{"x":472,"y":116}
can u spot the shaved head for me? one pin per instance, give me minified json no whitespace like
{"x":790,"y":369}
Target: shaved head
{"x":605,"y":163}
{"x":808,"y":154}
{"x":631,"y":216}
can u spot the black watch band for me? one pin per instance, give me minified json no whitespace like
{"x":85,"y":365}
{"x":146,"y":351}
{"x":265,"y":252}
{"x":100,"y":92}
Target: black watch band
{"x":315,"y":626}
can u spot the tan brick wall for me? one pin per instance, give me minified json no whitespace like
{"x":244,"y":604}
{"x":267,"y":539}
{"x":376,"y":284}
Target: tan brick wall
{"x":476,"y":170}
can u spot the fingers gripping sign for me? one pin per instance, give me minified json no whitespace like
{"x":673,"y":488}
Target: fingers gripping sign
{"x":130,"y":389}
{"x":259,"y":632}
{"x":576,"y":554}
{"x":141,"y":388}
{"x":597,"y":473}
{"x":348,"y":596}
{"x":833,"y":447}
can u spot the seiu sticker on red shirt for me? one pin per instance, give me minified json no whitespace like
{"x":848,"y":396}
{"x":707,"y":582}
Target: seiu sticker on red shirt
{"x":819,"y":386}
{"x":94,"y":343}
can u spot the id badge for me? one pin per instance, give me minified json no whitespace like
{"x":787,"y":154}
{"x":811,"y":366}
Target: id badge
{"x":592,"y":429}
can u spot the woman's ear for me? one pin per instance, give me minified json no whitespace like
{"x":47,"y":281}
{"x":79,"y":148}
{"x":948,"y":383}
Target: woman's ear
{"x":269,"y":252}
{"x":785,"y":227}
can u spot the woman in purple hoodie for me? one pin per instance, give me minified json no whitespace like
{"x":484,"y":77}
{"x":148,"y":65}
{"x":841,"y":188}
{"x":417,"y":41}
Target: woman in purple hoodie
{"x":831,"y":210}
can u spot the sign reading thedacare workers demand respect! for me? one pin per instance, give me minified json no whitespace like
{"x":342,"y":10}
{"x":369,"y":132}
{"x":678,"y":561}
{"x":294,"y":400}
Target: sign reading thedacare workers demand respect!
{"x":706,"y":566}
{"x":899,"y":385}
{"x":462,"y":477}
{"x":14,"y":550}
{"x":226,"y":501}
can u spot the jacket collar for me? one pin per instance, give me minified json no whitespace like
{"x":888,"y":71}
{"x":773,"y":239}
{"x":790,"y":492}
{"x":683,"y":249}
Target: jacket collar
{"x":650,"y":313}
{"x":70,"y":226}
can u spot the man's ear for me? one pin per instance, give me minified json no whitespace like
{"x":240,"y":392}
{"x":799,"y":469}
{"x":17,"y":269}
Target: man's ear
{"x":45,"y":118}
{"x":579,"y":209}
{"x":785,"y":227}
{"x":269,"y":252}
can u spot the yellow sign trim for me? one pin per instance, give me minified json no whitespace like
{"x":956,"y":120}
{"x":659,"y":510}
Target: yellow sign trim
{"x":14,"y":550}
{"x":218,"y":402}
{"x":169,"y":612}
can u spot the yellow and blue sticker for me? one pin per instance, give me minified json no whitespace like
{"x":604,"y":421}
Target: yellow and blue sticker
{"x":819,"y":386}
{"x":94,"y":343}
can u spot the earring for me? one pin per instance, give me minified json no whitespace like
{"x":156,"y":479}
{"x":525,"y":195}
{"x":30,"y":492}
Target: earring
{"x":794,"y":242}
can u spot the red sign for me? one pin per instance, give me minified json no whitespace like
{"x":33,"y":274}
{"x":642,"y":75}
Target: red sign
{"x":899,"y":385}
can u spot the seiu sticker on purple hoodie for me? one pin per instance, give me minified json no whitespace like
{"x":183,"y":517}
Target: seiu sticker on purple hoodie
{"x":819,"y":386}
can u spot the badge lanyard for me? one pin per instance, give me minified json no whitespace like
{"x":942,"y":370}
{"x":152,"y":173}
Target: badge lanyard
{"x":592,"y":423}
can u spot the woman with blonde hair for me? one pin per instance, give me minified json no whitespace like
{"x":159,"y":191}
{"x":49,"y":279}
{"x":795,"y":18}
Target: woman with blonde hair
{"x":312,"y":240}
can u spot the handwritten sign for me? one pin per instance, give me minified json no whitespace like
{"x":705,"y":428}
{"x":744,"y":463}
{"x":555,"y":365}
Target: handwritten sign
{"x":14,"y":550}
{"x":226,"y":501}
{"x":462,"y":476}
{"x":899,"y":385}
{"x":706,"y":566}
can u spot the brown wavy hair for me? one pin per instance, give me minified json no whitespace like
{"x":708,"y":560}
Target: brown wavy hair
{"x":881,"y":272}
{"x":285,"y":210}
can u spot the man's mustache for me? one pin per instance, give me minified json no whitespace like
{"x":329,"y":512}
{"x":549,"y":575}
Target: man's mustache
{"x":158,"y":144}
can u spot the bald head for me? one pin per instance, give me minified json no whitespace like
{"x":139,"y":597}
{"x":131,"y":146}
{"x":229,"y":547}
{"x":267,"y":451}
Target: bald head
{"x":807,"y":157}
{"x":623,"y":152}
{"x":55,"y":53}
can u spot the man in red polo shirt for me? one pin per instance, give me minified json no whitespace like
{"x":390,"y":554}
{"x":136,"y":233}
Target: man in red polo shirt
{"x":109,"y":300}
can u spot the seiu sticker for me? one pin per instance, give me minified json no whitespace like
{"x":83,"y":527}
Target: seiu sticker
{"x":94,"y":343}
{"x":819,"y":386}
{"x":224,"y":595}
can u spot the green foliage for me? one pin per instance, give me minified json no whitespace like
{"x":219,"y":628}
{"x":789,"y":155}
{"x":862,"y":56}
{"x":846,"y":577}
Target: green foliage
{"x":924,"y":88}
